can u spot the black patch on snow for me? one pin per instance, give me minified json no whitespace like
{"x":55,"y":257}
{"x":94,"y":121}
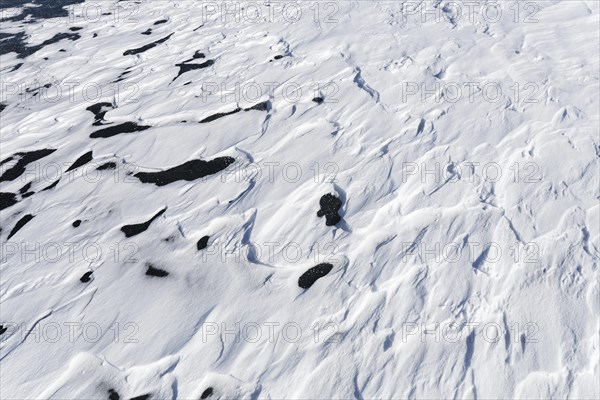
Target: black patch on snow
{"x":126,"y":127}
{"x":277,"y":57}
{"x":183,"y":68}
{"x":147,"y":32}
{"x":310,"y":277}
{"x":207,"y":393}
{"x":2,"y":107}
{"x":113,"y":395}
{"x":202,"y":243}
{"x":188,"y":171}
{"x":122,"y":76}
{"x":108,"y":165}
{"x":329,"y":208}
{"x":146,"y":47}
{"x":52,"y":185}
{"x":25,"y":158}
{"x":142,"y":397}
{"x":160,"y":21}
{"x":2,"y":329}
{"x":17,"y":43}
{"x":25,"y":188}
{"x":84,"y":159}
{"x":99,"y":110}
{"x":153,"y":271}
{"x":264,"y":106}
{"x":20,"y":223}
{"x":219,"y":115}
{"x":318,"y":100}
{"x":135,"y":229}
{"x":76,"y":223}
{"x":7,"y":200}
{"x":86,"y":277}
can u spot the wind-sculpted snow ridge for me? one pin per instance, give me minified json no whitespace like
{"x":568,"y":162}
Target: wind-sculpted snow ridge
{"x":354,"y":199}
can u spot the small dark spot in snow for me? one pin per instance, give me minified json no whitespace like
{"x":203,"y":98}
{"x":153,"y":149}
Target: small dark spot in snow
{"x":76,"y":223}
{"x":318,"y":100}
{"x":113,"y":395}
{"x":278,"y":56}
{"x":2,"y":329}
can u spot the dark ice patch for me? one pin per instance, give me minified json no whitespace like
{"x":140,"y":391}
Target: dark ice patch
{"x":160,"y":21}
{"x":20,"y":223}
{"x":86,"y":277}
{"x":2,"y":107}
{"x":126,"y":127}
{"x":135,"y":229}
{"x":146,"y":47}
{"x":310,"y":277}
{"x":7,"y":200}
{"x":329,"y":208}
{"x":113,"y":395}
{"x":24,"y":159}
{"x":84,"y":159}
{"x":318,"y":100}
{"x":147,"y":32}
{"x":157,"y":272}
{"x":76,"y":223}
{"x":188,"y":171}
{"x":3,"y":329}
{"x":202,"y":243}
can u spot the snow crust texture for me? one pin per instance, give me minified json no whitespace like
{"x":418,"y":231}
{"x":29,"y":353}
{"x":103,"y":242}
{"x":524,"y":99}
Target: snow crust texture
{"x":316,"y":200}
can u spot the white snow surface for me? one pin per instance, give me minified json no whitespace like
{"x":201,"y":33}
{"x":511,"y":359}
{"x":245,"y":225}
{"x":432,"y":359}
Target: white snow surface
{"x":466,"y":262}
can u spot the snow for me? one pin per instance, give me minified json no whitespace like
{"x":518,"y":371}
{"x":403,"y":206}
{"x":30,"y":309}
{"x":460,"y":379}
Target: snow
{"x":464,"y":149}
